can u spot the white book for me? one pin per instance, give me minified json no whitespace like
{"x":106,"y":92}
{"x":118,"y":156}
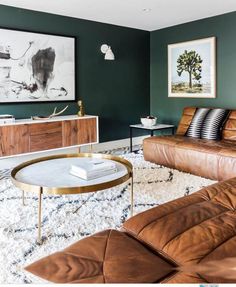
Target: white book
{"x":92,"y":167}
{"x":95,"y":175}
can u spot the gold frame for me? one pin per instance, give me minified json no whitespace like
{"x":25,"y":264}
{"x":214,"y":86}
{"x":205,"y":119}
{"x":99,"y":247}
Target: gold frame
{"x":25,"y":187}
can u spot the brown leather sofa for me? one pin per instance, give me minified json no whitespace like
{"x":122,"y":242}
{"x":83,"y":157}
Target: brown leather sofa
{"x":165,"y":244}
{"x":208,"y":158}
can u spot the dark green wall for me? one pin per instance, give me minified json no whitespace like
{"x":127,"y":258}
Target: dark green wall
{"x":117,"y":91}
{"x":223,"y":27}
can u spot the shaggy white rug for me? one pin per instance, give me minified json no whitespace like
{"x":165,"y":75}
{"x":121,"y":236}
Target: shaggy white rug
{"x":66,"y":219}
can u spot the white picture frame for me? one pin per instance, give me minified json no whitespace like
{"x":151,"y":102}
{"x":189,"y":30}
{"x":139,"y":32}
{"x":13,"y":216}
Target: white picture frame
{"x":192,"y":69}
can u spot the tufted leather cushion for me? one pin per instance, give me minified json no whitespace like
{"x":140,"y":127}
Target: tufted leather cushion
{"x":106,"y":257}
{"x":191,"y":230}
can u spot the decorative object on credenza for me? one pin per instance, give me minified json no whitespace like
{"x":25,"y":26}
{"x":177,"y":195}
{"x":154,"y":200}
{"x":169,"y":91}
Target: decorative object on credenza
{"x":6,"y":119}
{"x":148,"y":121}
{"x":192,"y":69}
{"x":36,"y":67}
{"x":54,"y":114}
{"x":81,"y":112}
{"x":105,"y":49}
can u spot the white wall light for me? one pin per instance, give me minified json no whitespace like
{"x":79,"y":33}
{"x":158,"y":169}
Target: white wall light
{"x":105,"y":49}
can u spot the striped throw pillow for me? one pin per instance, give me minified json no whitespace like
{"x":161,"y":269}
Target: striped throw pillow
{"x":195,"y":127}
{"x":213,"y":123}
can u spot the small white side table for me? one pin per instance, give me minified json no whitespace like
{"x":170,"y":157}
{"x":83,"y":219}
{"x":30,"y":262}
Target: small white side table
{"x":150,"y":129}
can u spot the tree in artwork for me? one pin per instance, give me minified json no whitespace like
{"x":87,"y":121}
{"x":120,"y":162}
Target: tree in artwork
{"x":190,"y":62}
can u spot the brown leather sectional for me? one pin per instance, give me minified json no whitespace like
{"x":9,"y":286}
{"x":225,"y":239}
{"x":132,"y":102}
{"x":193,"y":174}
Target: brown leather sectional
{"x":188,"y":240}
{"x":208,"y":158}
{"x":189,"y":233}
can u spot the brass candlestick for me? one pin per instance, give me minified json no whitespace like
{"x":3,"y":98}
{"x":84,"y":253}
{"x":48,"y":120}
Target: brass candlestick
{"x":81,"y":109}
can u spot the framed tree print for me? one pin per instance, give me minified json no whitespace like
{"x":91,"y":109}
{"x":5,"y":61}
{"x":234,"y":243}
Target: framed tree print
{"x":36,"y":67}
{"x":192,"y":69}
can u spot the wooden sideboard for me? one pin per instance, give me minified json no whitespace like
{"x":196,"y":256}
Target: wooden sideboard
{"x":25,"y":136}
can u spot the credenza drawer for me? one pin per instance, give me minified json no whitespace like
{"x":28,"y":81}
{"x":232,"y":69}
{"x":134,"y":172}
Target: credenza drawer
{"x":14,"y":140}
{"x":81,"y":131}
{"x":45,"y":141}
{"x":87,"y":131}
{"x":45,"y":128}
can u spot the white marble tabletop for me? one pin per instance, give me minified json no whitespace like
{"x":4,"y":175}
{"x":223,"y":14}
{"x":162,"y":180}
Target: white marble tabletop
{"x":156,"y":127}
{"x":55,"y":173}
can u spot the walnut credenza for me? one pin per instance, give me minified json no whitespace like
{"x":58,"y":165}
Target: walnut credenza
{"x":26,"y":136}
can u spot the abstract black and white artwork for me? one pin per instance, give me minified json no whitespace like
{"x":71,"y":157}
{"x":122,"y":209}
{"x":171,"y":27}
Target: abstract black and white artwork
{"x":36,"y":67}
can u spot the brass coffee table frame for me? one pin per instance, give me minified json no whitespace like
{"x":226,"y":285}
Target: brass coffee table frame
{"x":40,"y":190}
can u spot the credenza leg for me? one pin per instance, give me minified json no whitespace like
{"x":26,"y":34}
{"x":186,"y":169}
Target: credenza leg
{"x":91,"y":148}
{"x":79,"y":149}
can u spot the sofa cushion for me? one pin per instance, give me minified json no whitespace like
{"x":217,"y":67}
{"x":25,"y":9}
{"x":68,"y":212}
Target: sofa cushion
{"x":106,"y":257}
{"x":195,"y":127}
{"x":191,"y":229}
{"x":164,"y":151}
{"x":207,"y":158}
{"x":212,"y":124}
{"x":185,"y":121}
{"x":229,"y":130}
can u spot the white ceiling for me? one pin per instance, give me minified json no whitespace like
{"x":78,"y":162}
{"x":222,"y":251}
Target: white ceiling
{"x":129,"y":13}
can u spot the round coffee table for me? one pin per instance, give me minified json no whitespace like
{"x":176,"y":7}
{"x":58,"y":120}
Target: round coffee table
{"x":50,"y":175}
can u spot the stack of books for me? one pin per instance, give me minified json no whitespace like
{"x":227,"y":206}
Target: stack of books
{"x":94,"y":168}
{"x":6,"y":119}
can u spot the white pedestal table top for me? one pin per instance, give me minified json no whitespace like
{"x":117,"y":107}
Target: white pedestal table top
{"x":55,"y":173}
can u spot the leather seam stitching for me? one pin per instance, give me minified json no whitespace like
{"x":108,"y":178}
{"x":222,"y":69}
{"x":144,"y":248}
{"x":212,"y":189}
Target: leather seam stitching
{"x":223,"y":242}
{"x":169,"y":277}
{"x":82,"y":257}
{"x":224,"y":205}
{"x":193,"y":195}
{"x":157,"y":250}
{"x":197,"y":224}
{"x":84,"y":278}
{"x":197,"y":150}
{"x":104,"y":256}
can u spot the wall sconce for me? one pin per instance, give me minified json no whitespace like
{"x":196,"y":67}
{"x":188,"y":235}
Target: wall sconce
{"x":105,"y":49}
